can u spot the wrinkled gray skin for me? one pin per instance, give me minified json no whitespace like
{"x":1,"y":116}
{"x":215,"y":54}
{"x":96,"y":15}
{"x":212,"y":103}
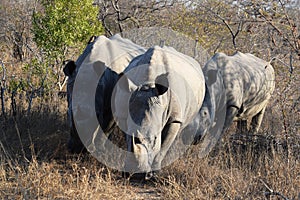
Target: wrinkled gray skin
{"x":116,"y":53}
{"x":204,"y":119}
{"x":102,"y":107}
{"x":246,"y":82}
{"x":165,"y":90}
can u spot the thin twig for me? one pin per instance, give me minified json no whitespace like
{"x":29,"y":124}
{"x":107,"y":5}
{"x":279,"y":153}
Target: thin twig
{"x":291,"y":68}
{"x":3,"y":88}
{"x":115,"y":4}
{"x":233,"y":35}
{"x":272,"y":192}
{"x":20,"y":140}
{"x":292,"y":25}
{"x":270,"y":22}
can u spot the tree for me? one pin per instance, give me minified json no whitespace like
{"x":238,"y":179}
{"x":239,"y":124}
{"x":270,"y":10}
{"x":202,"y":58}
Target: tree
{"x":63,"y":26}
{"x":15,"y":37}
{"x":65,"y":23}
{"x":122,"y":15}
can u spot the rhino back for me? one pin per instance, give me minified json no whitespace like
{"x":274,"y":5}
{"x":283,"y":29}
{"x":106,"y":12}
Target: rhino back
{"x":116,"y":52}
{"x":248,"y":81}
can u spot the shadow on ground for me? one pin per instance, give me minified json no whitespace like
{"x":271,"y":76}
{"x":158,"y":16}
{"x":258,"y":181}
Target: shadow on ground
{"x":40,"y":134}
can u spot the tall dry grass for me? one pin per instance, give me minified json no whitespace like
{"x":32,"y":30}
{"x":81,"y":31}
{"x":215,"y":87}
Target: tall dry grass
{"x":35,"y":163}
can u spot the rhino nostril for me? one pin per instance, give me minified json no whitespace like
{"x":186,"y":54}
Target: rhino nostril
{"x":137,"y":140}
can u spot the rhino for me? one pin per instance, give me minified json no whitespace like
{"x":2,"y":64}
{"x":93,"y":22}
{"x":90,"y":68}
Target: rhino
{"x":238,"y":89}
{"x":157,"y":97}
{"x":115,"y":52}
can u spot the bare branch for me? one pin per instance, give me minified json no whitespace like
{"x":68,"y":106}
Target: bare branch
{"x":233,"y":35}
{"x":280,"y":32}
{"x":61,"y":86}
{"x":3,"y":87}
{"x":116,"y":7}
{"x":292,"y":25}
{"x":291,"y":63}
{"x":117,"y":14}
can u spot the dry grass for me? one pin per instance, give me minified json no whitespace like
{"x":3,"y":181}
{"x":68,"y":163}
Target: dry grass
{"x":35,"y":163}
{"x":233,"y":175}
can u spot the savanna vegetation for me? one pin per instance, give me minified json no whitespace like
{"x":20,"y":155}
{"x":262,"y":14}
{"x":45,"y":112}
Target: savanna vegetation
{"x":37,"y":36}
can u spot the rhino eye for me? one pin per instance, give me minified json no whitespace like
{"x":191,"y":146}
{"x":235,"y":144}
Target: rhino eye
{"x":145,"y":88}
{"x":205,"y":113}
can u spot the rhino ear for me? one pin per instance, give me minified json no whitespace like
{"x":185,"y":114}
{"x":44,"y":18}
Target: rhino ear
{"x":161,"y":89}
{"x":211,"y":76}
{"x":69,"y":68}
{"x":99,"y":67}
{"x":162,"y":84}
{"x":209,"y":102}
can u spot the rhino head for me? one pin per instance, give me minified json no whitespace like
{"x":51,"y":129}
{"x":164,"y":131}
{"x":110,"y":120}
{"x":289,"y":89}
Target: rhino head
{"x":212,"y":113}
{"x":144,"y":121}
{"x":205,"y":117}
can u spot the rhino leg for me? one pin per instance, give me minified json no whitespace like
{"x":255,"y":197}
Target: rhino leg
{"x":241,"y":126}
{"x":231,"y":112}
{"x":74,"y":144}
{"x":169,"y":135}
{"x":256,"y":121}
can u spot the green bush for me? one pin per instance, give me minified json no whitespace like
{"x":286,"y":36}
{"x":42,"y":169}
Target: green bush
{"x":65,"y":23}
